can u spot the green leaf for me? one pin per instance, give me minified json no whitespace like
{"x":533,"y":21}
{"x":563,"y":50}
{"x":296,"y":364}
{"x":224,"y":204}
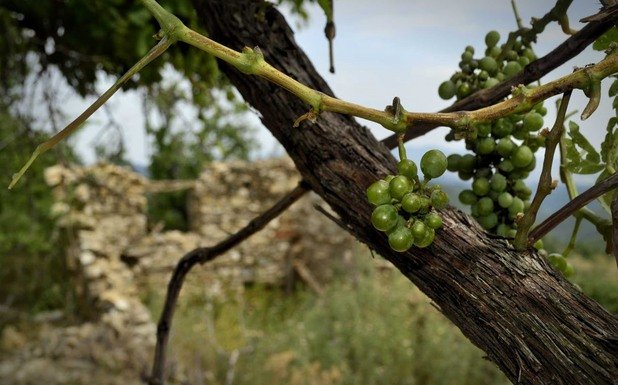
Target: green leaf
{"x":582,"y":157}
{"x":609,"y":147}
{"x":603,"y":42}
{"x":326,"y":7}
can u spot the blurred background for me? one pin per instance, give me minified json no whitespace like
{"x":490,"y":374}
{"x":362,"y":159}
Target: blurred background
{"x":177,"y":160}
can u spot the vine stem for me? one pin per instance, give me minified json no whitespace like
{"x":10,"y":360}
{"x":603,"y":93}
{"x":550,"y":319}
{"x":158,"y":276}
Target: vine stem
{"x":202,"y":255}
{"x":544,"y":187}
{"x":573,"y":206}
{"x":154,"y":53}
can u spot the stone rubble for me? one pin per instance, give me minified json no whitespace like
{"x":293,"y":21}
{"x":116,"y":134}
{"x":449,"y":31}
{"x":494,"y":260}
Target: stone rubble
{"x":114,"y":257}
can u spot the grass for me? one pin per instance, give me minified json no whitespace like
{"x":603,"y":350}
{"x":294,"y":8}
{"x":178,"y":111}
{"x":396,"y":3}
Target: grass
{"x":368,"y":328}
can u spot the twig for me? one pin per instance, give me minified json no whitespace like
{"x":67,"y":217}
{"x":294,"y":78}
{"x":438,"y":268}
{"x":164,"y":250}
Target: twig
{"x":573,"y":239}
{"x":516,"y":13}
{"x":570,"y":48}
{"x":615,"y":228}
{"x":202,"y":255}
{"x":573,"y":206}
{"x":544,"y":187}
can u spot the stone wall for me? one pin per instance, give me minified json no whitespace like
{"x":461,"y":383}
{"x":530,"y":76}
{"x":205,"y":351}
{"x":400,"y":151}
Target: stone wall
{"x":115,"y":255}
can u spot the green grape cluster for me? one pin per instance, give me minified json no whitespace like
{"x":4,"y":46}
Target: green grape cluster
{"x":502,"y":151}
{"x":406,"y":206}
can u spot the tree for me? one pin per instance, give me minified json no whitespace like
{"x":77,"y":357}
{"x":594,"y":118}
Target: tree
{"x":535,"y":325}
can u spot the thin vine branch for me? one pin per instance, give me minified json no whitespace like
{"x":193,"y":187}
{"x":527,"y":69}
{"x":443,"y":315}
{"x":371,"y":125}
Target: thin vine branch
{"x":570,"y":48}
{"x":545,"y":185}
{"x":154,"y":53}
{"x":202,"y":255}
{"x":573,"y":206}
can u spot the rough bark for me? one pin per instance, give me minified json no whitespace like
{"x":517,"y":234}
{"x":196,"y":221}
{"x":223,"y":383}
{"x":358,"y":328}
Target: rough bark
{"x":528,"y":319}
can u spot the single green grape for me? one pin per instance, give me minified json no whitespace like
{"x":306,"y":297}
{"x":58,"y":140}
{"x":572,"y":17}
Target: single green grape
{"x":411,"y":203}
{"x":384,"y":217}
{"x":452,"y":162}
{"x":491,"y":82}
{"x":439,"y":199}
{"x":516,"y":207}
{"x":430,"y":235}
{"x":418,"y":230}
{"x":467,"y":56}
{"x":538,"y":244}
{"x":522,"y":156}
{"x":467,"y":163}
{"x":463,"y":90}
{"x":569,"y":270}
{"x":447,"y":90}
{"x":407,"y":168}
{"x":506,"y":166}
{"x":492,"y":38}
{"x":511,"y":69}
{"x":399,"y":186}
{"x":505,"y":200}
{"x":433,"y":163}
{"x":467,"y":197}
{"x":558,"y":261}
{"x":485,"y":146}
{"x":502,"y":128}
{"x":425,"y":205}
{"x":433,"y":220}
{"x":480,"y":186}
{"x":488,"y":64}
{"x":488,"y":222}
{"x":533,"y":121}
{"x":401,"y":239}
{"x":498,"y":182}
{"x":505,"y":146}
{"x":485,"y":206}
{"x":377,"y":193}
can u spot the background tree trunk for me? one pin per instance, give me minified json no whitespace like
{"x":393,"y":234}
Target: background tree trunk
{"x":528,"y":319}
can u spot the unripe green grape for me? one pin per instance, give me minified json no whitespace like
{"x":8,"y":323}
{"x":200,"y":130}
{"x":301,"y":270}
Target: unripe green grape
{"x":500,"y":76}
{"x":517,"y":45}
{"x":401,"y":222}
{"x":488,"y":222}
{"x":452,"y":162}
{"x":401,"y":239}
{"x":505,"y":200}
{"x":498,"y":182}
{"x":558,"y":261}
{"x":480,"y":186}
{"x":511,"y":69}
{"x":384,"y":217}
{"x":491,"y":82}
{"x":485,"y":146}
{"x":525,"y":193}
{"x":466,"y":57}
{"x":389,"y":178}
{"x":377,"y":193}
{"x":430,"y":235}
{"x":399,"y":186}
{"x":506,"y":166}
{"x":470,"y":49}
{"x":485,"y":206}
{"x":505,"y":147}
{"x":468,"y":162}
{"x":502,"y":128}
{"x":484,"y":172}
{"x":483,"y":75}
{"x":483,"y":129}
{"x":493,"y":195}
{"x":502,"y":229}
{"x":516,"y":207}
{"x":520,"y":133}
{"x":425,"y":205}
{"x":533,"y":121}
{"x":474,"y":211}
{"x":535,"y":142}
{"x":514,"y":118}
{"x":439,"y":199}
{"x":530,"y":165}
{"x":569,"y":270}
{"x":418,"y":230}
{"x":433,"y":163}
{"x":541,"y":109}
{"x":538,"y":244}
{"x":523,"y":61}
{"x":463,"y":90}
{"x":511,"y":55}
{"x":407,"y":168}
{"x":529,"y":53}
{"x":492,"y":38}
{"x":411,"y":203}
{"x":465,"y":175}
{"x":522,"y":156}
{"x":519,"y":186}
{"x":433,"y":220}
{"x":467,"y":197}
{"x":488,"y":64}
{"x":511,"y":233}
{"x":447,"y":90}
{"x":518,"y":174}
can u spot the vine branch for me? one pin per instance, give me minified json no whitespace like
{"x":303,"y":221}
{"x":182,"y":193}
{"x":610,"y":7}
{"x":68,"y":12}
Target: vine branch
{"x":202,"y":255}
{"x":573,"y":206}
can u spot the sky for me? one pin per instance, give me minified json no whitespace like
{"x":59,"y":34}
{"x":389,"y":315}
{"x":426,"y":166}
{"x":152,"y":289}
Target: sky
{"x":402,"y":48}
